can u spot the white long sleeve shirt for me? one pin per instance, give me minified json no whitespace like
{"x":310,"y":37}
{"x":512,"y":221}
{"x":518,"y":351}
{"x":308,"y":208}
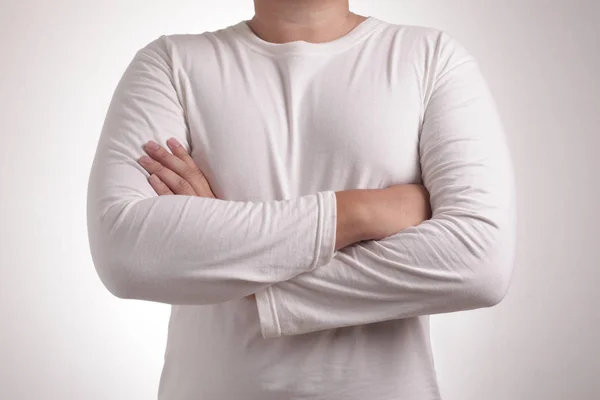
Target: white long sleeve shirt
{"x":277,"y":129}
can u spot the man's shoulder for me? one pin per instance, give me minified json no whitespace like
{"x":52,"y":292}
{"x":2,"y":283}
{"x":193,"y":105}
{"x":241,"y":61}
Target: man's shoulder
{"x":184,"y":45}
{"x":416,"y":30}
{"x":207,"y":37}
{"x":427,"y":43}
{"x":412,"y":33}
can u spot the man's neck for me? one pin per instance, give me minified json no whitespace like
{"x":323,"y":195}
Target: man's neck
{"x":315,"y":21}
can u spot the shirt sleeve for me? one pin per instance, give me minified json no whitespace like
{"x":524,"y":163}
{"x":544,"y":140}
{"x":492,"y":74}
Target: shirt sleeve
{"x":180,"y":249}
{"x":462,"y":258}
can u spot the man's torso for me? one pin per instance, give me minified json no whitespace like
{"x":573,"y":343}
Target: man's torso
{"x":264,"y":127}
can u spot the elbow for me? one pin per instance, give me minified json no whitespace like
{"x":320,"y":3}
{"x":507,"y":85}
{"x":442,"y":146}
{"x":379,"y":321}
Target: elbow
{"x":485,"y":262}
{"x":492,"y":276}
{"x":488,"y":288}
{"x":117,"y":274}
{"x":489,"y":281}
{"x":117,"y":289}
{"x":117,"y":277}
{"x":489,"y":265}
{"x":120,"y":287}
{"x":115,"y":260}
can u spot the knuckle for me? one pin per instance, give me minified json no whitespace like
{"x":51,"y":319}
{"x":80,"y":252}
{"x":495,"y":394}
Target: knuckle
{"x":180,"y":151}
{"x":192,"y":172}
{"x":161,"y":153}
{"x":183,"y":184}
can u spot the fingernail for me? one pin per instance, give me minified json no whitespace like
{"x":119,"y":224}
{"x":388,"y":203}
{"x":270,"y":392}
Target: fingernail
{"x":173,"y":142}
{"x":146,"y":160}
{"x":152,"y":145}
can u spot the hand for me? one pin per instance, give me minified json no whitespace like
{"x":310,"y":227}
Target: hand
{"x":175,"y":173}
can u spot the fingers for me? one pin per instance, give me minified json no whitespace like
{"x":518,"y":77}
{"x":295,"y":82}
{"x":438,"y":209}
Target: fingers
{"x":193,"y":174}
{"x":181,"y":164}
{"x":181,"y":153}
{"x":176,"y":183}
{"x":165,"y":158}
{"x":159,"y":186}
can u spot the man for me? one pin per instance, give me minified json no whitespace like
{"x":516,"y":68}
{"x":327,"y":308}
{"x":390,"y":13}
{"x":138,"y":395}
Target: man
{"x":315,"y":184}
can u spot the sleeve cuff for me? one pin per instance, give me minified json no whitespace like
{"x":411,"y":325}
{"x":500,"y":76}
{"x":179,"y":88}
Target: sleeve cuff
{"x":270,"y":324}
{"x":326,"y":229}
{"x":267,"y":314}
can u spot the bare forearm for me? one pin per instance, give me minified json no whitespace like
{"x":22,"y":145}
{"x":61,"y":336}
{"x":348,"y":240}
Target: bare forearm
{"x":352,"y":221}
{"x":366,"y":214}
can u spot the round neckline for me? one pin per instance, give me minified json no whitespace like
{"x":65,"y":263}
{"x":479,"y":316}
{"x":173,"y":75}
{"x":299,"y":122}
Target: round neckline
{"x":302,"y":47}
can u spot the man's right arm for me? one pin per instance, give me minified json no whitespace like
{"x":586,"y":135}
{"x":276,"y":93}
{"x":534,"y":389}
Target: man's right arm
{"x":186,"y":249}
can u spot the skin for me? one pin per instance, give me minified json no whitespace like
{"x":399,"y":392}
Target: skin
{"x":362,"y":214}
{"x":315,"y":21}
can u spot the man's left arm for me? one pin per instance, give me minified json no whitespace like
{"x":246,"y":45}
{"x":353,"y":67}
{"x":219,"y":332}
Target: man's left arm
{"x":460,"y":259}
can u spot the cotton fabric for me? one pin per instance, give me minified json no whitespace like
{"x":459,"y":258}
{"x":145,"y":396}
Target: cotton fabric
{"x":277,"y":129}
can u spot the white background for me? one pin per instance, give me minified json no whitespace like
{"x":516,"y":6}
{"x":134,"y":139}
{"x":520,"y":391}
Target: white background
{"x":63,"y":336}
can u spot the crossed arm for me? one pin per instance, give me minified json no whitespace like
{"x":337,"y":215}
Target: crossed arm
{"x":348,"y":265}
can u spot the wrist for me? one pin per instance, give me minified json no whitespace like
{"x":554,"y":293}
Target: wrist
{"x":366,"y":211}
{"x":354,"y":221}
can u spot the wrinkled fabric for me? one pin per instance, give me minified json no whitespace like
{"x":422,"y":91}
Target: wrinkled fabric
{"x":277,"y":129}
